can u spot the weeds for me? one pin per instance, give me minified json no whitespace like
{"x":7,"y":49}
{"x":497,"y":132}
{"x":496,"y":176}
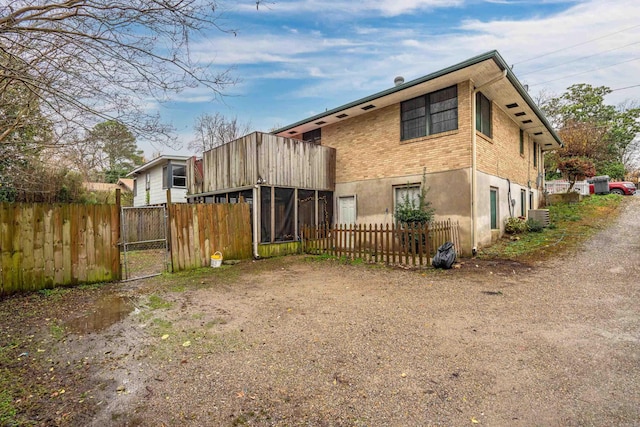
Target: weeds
{"x":7,"y":410}
{"x":570,"y":225}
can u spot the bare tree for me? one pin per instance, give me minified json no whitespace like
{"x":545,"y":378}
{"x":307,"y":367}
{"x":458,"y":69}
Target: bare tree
{"x":85,"y":61}
{"x":215,"y":130}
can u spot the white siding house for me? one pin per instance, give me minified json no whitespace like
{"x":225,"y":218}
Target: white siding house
{"x":154,"y":178}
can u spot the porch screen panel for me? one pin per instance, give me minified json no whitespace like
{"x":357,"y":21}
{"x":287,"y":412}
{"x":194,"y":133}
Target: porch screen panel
{"x":284,"y":203}
{"x":265,"y":214}
{"x":325,"y":207}
{"x":306,"y":207}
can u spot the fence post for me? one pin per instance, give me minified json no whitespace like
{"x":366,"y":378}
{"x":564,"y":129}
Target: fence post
{"x":168,"y":230}
{"x":118,"y":242}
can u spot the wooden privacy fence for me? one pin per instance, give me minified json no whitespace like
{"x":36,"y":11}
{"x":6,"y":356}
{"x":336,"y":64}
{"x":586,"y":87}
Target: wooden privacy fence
{"x":45,"y":245}
{"x":412,"y":245}
{"x":199,"y":230}
{"x":143,"y":224}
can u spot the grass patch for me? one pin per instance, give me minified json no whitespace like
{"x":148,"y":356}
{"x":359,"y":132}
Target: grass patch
{"x":156,"y":302}
{"x":7,"y":409}
{"x":571,"y":224}
{"x":57,"y":331}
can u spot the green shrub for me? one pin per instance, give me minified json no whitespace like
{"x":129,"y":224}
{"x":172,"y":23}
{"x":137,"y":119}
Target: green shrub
{"x":515,"y":225}
{"x":534,"y":226}
{"x":410,"y":211}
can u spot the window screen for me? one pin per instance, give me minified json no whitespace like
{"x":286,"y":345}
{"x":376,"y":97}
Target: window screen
{"x":429,"y":114}
{"x":483,"y":114}
{"x":306,"y":208}
{"x":284,"y":211}
{"x":265,"y":214}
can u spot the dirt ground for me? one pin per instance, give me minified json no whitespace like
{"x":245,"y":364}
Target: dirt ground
{"x":300,"y":341}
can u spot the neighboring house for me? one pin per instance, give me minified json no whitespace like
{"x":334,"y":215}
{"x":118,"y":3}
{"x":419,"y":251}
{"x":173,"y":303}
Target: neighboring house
{"x":105,"y":192}
{"x":472,"y":127}
{"x":152,"y":180}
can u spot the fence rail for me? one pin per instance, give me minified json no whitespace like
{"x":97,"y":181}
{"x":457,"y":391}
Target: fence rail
{"x":412,"y":245}
{"x":46,"y":245}
{"x":553,"y":187}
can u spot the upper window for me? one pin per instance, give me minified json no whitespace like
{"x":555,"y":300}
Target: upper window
{"x":314,"y":136}
{"x":174,"y":176}
{"x":521,"y":142}
{"x":535,"y":154}
{"x":179,"y":176}
{"x":483,"y":114}
{"x":147,"y":181}
{"x":429,"y":114}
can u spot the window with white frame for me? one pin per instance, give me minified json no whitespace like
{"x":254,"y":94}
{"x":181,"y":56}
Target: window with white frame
{"x":179,"y":176}
{"x":406,"y":193}
{"x":147,"y":181}
{"x":174,"y":176}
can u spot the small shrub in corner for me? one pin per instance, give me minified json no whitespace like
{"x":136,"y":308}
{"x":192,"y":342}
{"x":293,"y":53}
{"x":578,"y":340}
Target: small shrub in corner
{"x":515,"y":225}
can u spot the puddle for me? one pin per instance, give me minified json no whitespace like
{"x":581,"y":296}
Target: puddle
{"x":107,"y":310}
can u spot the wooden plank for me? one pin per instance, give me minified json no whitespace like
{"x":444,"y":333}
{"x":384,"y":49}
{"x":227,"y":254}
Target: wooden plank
{"x":6,"y":248}
{"x":48,"y":245}
{"x":79,"y":218}
{"x":89,"y":216}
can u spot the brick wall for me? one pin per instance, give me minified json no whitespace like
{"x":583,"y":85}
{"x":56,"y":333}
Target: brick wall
{"x":369,"y":146}
{"x":500,"y":155}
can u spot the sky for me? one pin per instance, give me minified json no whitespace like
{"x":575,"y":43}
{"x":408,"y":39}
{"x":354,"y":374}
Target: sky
{"x":296,"y":58}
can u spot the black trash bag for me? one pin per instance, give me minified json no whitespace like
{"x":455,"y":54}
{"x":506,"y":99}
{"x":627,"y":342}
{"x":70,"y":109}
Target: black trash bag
{"x":445,"y":257}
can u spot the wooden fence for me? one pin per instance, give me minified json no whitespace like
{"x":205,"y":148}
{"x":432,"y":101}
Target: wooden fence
{"x":45,"y":245}
{"x":143,"y":224}
{"x":199,"y":230}
{"x":413,"y":245}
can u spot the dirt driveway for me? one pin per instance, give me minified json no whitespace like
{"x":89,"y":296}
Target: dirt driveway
{"x":295,"y":341}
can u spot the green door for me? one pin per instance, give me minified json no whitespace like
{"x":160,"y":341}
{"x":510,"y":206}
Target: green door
{"x":494,"y":208}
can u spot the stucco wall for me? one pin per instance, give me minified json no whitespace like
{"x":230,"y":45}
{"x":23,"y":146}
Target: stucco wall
{"x":485,"y":183}
{"x":449,"y":194}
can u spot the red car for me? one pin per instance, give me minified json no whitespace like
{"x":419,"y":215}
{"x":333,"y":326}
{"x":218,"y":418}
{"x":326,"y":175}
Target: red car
{"x":624,"y":188}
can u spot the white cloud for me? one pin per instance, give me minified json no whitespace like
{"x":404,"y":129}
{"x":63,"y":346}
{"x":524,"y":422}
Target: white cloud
{"x":349,"y":8}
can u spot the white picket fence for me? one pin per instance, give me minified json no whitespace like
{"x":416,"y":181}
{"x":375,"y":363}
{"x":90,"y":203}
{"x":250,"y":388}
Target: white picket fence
{"x":581,"y":187}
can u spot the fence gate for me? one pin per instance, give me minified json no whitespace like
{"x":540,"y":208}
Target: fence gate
{"x":144,"y":242}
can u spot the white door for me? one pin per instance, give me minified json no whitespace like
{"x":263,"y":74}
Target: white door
{"x":347,"y":215}
{"x":347,"y":210}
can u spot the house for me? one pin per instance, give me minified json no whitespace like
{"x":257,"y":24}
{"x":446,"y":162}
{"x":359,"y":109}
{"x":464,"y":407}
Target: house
{"x":471,"y":129}
{"x":106,"y":192}
{"x":152,"y":180}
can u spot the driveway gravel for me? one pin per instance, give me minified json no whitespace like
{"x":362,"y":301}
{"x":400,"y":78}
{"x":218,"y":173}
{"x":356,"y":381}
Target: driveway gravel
{"x":301,"y":341}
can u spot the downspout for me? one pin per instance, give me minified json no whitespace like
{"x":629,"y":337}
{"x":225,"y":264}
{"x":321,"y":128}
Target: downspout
{"x":256,"y":202}
{"x":474,"y":167}
{"x":256,"y":227}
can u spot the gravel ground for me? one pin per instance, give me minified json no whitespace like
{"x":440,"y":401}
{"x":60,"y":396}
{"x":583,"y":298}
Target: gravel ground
{"x":296,"y":342}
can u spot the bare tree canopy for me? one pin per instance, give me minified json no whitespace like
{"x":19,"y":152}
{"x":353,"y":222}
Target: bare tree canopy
{"x":84,"y":61}
{"x":215,"y":130}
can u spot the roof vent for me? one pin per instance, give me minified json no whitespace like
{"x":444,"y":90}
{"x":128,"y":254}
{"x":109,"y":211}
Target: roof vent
{"x":398,"y":80}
